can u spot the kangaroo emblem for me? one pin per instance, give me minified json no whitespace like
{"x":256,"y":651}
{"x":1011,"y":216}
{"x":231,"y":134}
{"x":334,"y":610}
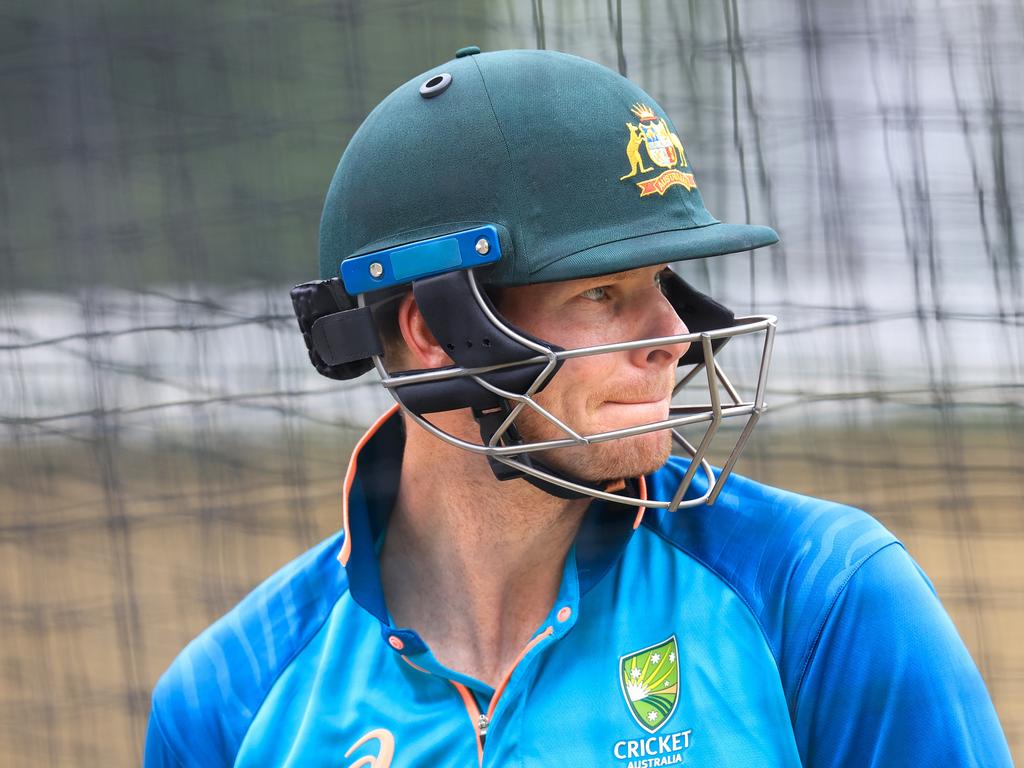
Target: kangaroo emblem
{"x":679,"y":148}
{"x":636,"y":163}
{"x":664,"y":149}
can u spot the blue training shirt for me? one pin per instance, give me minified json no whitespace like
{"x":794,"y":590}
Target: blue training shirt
{"x":770,"y":629}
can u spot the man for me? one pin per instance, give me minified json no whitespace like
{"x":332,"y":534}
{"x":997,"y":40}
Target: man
{"x":525,"y":577}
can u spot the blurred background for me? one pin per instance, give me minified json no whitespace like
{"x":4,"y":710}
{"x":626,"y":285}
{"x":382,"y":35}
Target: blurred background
{"x":165,"y":444}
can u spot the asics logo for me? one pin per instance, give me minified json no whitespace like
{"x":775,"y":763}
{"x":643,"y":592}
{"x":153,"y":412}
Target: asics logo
{"x":385,"y":751}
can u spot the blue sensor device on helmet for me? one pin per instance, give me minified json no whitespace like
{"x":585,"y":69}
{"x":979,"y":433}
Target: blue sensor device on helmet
{"x":434,"y":256}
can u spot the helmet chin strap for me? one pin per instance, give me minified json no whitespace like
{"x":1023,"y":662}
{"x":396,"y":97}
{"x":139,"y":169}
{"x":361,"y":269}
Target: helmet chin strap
{"x":489,"y":420}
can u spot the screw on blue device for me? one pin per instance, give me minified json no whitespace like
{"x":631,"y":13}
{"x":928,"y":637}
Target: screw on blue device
{"x":404,"y":263}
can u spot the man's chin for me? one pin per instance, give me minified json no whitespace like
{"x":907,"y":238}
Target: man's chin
{"x":614,"y":460}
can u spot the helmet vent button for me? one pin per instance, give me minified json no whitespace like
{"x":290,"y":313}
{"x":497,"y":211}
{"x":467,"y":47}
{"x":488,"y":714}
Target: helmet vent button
{"x":435,"y":86}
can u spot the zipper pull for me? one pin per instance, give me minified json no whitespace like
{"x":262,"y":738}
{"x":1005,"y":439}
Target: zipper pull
{"x":481,"y":726}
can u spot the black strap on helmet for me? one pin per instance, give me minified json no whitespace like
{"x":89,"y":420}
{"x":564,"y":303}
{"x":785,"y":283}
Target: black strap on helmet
{"x":472,"y":340}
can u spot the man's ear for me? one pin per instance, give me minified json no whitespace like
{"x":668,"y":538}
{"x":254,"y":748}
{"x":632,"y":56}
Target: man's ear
{"x":423,"y":347}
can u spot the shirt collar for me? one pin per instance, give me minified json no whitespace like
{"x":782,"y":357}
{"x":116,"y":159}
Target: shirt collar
{"x":371,"y":488}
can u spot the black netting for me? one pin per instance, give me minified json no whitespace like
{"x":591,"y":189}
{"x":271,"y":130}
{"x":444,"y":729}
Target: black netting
{"x":165,"y":444}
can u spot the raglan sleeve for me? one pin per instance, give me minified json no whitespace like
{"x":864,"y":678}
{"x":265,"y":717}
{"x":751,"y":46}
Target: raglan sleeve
{"x":888,"y":682}
{"x":158,"y":752}
{"x":194,"y":722}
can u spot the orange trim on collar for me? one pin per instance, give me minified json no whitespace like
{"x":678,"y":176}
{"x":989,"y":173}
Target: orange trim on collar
{"x":508,"y":675}
{"x":641,"y":509}
{"x":350,"y":476}
{"x":414,"y":666}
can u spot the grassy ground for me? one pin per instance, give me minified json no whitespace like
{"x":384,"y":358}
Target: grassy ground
{"x":112,"y":558}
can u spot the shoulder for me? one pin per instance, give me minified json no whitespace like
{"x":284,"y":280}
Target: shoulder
{"x":843,"y":608}
{"x":209,"y":695}
{"x":890,"y":665}
{"x":787,"y":556}
{"x":762,"y":539}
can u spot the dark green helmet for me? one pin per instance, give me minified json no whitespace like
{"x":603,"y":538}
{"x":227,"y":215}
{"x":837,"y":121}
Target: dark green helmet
{"x":579,"y":169}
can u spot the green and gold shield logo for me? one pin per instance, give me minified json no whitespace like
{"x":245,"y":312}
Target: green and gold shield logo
{"x":650,"y":683}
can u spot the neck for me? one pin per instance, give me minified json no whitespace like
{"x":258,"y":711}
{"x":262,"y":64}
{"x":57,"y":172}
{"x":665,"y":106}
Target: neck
{"x":471,"y":563}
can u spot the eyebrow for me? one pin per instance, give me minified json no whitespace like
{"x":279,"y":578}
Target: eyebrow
{"x":615,"y":277}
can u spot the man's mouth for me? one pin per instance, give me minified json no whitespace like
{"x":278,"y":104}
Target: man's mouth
{"x":641,"y":401}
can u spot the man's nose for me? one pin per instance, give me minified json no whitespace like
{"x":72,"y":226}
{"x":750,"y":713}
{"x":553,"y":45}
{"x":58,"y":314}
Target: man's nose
{"x":660,"y":320}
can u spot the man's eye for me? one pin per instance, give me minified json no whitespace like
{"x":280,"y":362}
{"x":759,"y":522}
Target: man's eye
{"x":594,"y":294}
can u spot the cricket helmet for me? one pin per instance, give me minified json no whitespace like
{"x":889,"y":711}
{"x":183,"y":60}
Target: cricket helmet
{"x":513,"y":168}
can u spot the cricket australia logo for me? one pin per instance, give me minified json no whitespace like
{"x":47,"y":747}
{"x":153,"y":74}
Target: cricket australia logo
{"x":650,"y":683}
{"x":663,"y":149}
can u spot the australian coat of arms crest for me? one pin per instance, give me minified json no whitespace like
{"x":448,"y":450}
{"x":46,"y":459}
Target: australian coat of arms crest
{"x":663,"y":149}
